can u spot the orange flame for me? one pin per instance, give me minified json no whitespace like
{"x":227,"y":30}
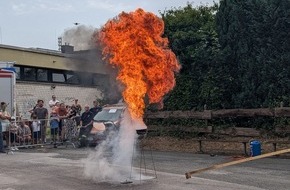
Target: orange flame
{"x":133,"y":43}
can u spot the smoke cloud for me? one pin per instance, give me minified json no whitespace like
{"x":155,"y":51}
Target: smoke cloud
{"x":112,"y":160}
{"x":88,"y":55}
{"x":80,"y":37}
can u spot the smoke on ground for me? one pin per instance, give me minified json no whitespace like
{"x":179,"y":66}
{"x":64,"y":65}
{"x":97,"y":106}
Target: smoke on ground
{"x":112,"y":159}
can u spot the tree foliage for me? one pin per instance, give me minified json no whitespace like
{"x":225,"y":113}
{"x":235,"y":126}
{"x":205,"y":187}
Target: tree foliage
{"x":233,"y":55}
{"x":193,"y":37}
{"x":254,"y":38}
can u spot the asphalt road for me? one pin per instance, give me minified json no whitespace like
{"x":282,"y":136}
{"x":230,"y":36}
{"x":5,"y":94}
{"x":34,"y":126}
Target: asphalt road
{"x":62,"y":168}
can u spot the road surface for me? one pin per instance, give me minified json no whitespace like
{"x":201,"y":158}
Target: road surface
{"x":62,"y":168}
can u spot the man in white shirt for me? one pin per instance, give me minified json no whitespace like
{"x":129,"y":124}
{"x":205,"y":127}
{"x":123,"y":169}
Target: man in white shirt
{"x":52,"y":102}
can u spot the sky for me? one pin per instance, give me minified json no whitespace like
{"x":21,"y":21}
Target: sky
{"x":38,"y":23}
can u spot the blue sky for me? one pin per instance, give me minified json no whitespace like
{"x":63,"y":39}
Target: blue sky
{"x":38,"y":23}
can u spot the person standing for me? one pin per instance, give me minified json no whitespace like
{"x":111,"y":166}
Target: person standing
{"x":97,"y":108}
{"x":78,"y":109}
{"x":54,"y":125}
{"x":86,"y":125}
{"x":53,"y":101}
{"x":4,"y":123}
{"x":42,"y":114}
{"x":35,"y":125}
{"x":62,"y":114}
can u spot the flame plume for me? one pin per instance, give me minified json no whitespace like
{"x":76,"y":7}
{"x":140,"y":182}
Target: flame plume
{"x":133,"y":43}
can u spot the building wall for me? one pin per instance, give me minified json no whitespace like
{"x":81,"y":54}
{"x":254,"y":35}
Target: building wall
{"x":85,"y":61}
{"x":27,"y":95}
{"x":25,"y":56}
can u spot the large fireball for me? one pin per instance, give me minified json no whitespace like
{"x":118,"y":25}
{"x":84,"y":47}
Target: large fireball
{"x":133,"y":43}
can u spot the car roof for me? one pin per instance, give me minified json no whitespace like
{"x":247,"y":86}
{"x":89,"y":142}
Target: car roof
{"x":114,"y":106}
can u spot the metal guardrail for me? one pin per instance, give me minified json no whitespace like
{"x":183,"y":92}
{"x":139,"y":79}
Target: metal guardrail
{"x":15,"y":140}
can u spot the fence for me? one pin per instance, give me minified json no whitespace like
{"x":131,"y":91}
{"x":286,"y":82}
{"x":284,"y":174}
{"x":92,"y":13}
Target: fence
{"x":40,"y":133}
{"x":208,"y":115}
{"x":211,"y":114}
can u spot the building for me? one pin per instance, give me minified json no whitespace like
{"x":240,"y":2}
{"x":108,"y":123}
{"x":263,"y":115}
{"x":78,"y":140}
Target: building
{"x":41,"y":73}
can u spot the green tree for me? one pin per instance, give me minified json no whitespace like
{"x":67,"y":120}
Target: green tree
{"x":193,"y":38}
{"x":254,"y":39}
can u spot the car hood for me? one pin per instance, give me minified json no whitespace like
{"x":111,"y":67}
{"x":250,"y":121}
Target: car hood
{"x":98,"y":127}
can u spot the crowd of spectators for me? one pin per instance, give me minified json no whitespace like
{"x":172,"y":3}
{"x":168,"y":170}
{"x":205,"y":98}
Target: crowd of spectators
{"x":58,"y":117}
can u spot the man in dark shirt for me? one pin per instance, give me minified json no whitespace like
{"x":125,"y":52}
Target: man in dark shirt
{"x":86,"y":125}
{"x":42,"y":114}
{"x":97,"y":108}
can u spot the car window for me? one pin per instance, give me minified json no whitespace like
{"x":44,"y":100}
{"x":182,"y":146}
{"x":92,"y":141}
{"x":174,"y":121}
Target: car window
{"x":108,"y":115}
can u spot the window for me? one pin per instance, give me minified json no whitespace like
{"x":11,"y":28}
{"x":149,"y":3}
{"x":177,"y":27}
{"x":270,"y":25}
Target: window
{"x":95,"y":80}
{"x":72,"y":79}
{"x":58,"y":77}
{"x":29,"y":73}
{"x":42,"y":75}
{"x":100,"y":80}
{"x":18,"y":73}
{"x":86,"y":79}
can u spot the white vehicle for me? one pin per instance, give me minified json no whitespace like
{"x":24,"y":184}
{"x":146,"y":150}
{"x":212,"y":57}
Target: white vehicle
{"x":7,"y":85}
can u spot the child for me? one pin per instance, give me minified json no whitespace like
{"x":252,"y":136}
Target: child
{"x":54,"y":123}
{"x":35,"y":128}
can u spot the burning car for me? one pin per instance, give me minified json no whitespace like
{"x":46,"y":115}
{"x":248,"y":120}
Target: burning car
{"x":106,"y":121}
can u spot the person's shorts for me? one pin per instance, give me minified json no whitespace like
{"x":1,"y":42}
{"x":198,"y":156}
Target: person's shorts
{"x":54,"y":123}
{"x":36,"y":134}
{"x":53,"y":131}
{"x":12,"y":137}
{"x":61,"y":122}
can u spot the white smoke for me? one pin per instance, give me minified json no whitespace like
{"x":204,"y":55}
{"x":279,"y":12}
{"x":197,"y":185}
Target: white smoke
{"x":112,"y":160}
{"x":81,"y":37}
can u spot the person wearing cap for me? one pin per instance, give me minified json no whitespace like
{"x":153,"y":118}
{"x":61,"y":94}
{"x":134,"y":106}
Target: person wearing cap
{"x":4,"y":123}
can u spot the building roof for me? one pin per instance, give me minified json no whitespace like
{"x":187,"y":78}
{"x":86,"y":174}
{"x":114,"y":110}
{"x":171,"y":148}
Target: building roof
{"x":86,"y":61}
